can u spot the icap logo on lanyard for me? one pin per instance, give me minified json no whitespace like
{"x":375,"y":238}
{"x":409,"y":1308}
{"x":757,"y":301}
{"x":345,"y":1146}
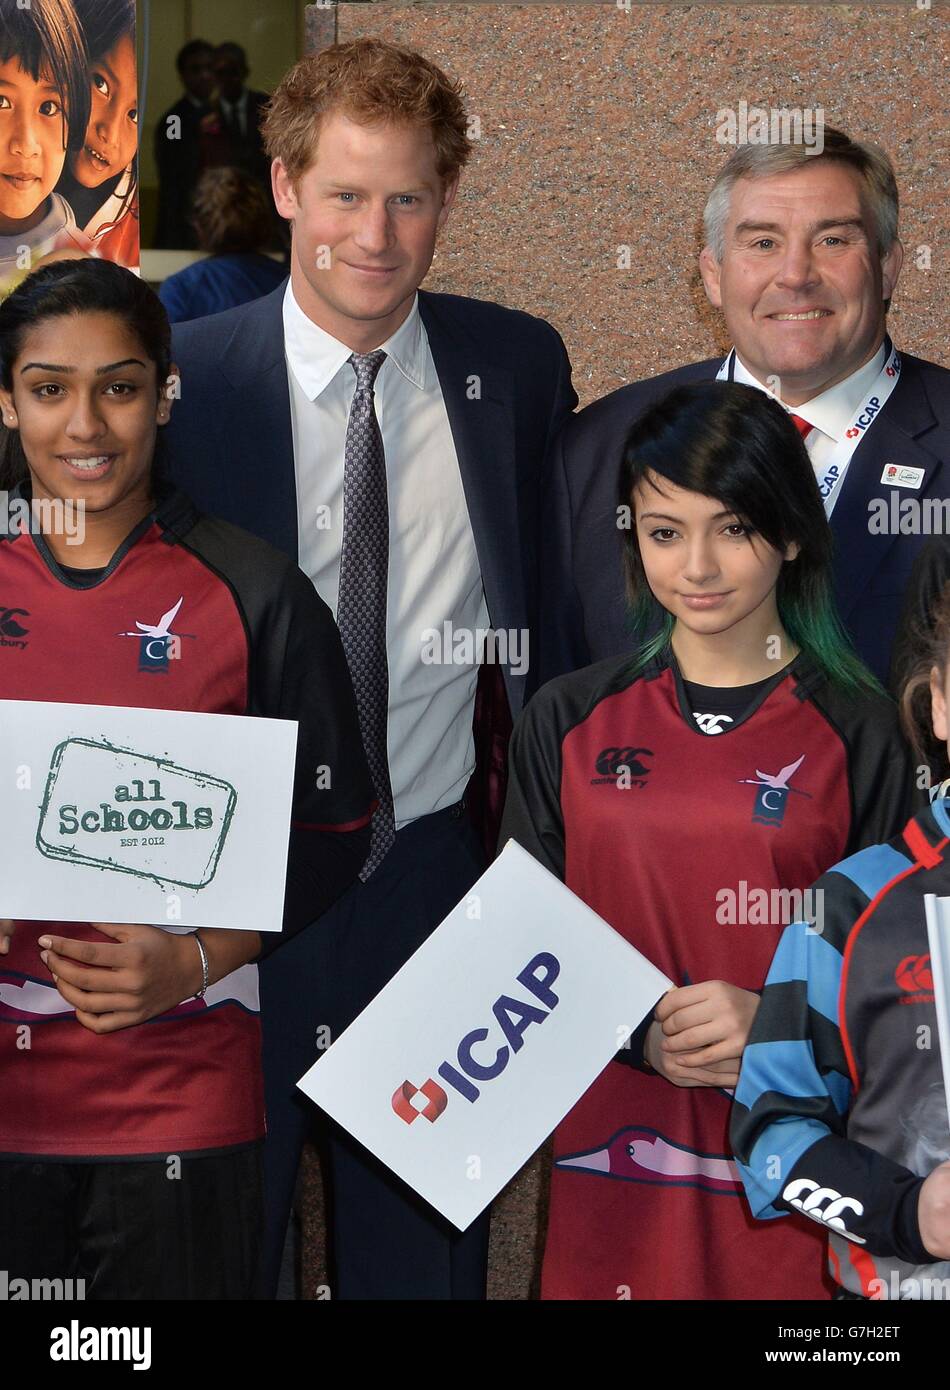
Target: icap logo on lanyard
{"x":872,"y":405}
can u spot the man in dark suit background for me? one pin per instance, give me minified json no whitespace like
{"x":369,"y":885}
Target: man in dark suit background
{"x":802,"y":258}
{"x":235,"y":138}
{"x":392,"y":440}
{"x":177,"y":146}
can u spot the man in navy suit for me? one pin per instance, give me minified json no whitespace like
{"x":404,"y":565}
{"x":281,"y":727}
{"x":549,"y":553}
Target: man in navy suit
{"x":801,"y":257}
{"x":238,"y":141}
{"x":289,"y":408}
{"x":178,"y":146}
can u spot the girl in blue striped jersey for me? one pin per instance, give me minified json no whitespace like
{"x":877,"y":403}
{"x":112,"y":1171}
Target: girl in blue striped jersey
{"x":841,"y":1113}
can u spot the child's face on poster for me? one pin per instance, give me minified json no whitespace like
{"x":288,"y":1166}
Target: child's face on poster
{"x":112,"y":133}
{"x":32,"y":143}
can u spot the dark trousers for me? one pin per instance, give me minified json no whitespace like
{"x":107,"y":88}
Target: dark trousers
{"x":385,"y":1242}
{"x":176,"y":1228}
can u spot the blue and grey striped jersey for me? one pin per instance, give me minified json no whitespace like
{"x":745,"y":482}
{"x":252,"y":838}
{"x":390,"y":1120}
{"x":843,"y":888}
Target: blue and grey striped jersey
{"x":840,"y":1110}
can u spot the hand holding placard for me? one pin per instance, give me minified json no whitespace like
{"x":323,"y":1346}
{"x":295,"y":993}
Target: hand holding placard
{"x":142,"y":973}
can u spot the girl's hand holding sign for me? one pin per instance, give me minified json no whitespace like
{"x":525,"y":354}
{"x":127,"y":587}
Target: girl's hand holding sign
{"x":698,"y":1033}
{"x":146,"y":972}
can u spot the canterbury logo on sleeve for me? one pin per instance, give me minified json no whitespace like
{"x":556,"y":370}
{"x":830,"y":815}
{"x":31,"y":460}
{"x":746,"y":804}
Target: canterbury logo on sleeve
{"x":824,"y":1204}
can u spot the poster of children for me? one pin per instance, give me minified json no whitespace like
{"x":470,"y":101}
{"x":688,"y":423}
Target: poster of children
{"x":68,"y":133}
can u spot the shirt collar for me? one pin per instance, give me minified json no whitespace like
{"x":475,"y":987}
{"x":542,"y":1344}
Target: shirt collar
{"x":831,"y":411}
{"x":236,"y":105}
{"x":315,"y":356}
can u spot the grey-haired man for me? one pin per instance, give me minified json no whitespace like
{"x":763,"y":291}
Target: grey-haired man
{"x":802,"y":258}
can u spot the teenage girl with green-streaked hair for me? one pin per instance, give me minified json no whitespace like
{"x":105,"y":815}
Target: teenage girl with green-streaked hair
{"x":690,"y":440}
{"x":686,"y":791}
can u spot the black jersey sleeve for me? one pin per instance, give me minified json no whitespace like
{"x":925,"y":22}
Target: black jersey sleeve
{"x":789,"y":1120}
{"x":881,"y":769}
{"x":333,"y":793}
{"x":298,"y":671}
{"x":532,"y":814}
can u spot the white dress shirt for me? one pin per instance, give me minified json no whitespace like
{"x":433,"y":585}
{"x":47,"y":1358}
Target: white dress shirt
{"x":829,"y":413}
{"x":239,"y":108}
{"x":434,"y":574}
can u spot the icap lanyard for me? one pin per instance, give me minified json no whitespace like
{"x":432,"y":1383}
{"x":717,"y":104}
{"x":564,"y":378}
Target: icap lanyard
{"x":873,"y":403}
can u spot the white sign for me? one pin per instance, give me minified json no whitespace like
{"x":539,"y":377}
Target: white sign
{"x":466,"y":1061}
{"x":937,"y":911}
{"x":143,"y":815}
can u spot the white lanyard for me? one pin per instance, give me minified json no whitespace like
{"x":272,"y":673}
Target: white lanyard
{"x":833,"y":473}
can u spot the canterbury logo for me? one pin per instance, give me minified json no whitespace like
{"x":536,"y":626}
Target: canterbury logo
{"x":436,"y":1100}
{"x":824,"y":1204}
{"x":914,"y":974}
{"x":613,"y":760}
{"x":9,"y":626}
{"x":712,"y":723}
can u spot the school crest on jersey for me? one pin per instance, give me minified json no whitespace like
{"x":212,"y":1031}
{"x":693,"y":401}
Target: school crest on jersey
{"x":773,"y":792}
{"x":158,"y":645}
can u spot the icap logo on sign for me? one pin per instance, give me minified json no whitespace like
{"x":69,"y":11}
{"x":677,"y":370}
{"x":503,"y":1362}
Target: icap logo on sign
{"x":513,"y":1017}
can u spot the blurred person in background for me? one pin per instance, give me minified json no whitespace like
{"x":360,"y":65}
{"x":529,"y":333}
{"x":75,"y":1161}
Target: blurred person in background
{"x":232,"y":222}
{"x":177,"y":146}
{"x":231,"y":132}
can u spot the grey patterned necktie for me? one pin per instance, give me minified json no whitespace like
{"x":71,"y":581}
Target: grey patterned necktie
{"x":364,"y":573}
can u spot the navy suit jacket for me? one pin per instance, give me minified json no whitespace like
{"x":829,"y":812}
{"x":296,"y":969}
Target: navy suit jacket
{"x":584,"y":616}
{"x":506,"y":382}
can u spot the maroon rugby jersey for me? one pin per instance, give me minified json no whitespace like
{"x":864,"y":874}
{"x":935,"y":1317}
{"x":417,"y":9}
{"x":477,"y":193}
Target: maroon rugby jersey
{"x":646,"y":1200}
{"x":253,"y":638}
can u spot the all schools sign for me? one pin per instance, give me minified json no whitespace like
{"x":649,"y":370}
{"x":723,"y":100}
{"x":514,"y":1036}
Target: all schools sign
{"x":466,"y":1061}
{"x":133,"y":813}
{"x":143,"y":815}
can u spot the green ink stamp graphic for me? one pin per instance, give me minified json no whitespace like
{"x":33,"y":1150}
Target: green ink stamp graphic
{"x":112,"y":808}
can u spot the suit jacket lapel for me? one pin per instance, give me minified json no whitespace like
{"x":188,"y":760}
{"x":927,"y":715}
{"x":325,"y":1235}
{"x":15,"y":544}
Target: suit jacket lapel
{"x":893,"y":438}
{"x":254,"y":364}
{"x":479,"y":402}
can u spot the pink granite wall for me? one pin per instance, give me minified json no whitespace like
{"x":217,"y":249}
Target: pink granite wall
{"x":597,"y":132}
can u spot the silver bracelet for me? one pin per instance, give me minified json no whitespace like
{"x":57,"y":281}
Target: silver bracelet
{"x":204,"y":967}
